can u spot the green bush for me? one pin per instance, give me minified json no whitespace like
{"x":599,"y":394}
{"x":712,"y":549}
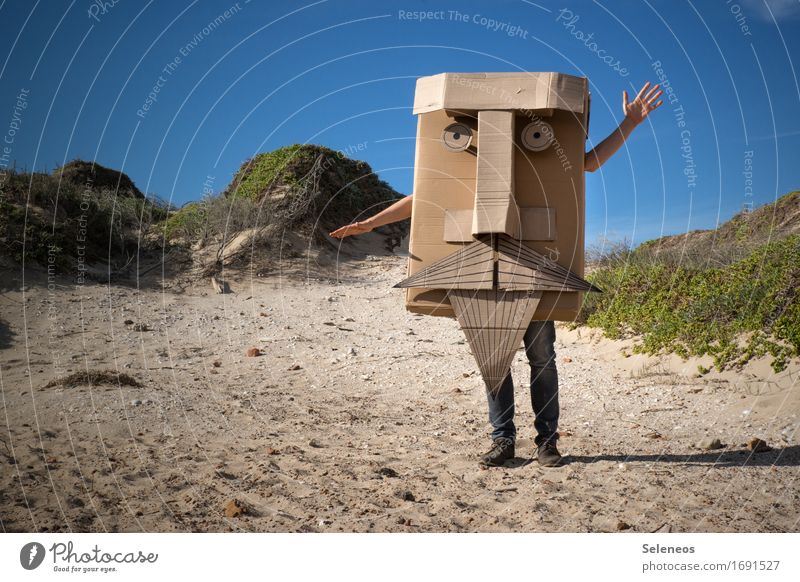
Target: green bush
{"x":743,"y":310}
{"x":44,"y":216}
{"x":301,"y":183}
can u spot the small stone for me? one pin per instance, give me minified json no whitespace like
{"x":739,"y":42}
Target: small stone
{"x":235,"y":508}
{"x":758,"y":446}
{"x":465,"y":374}
{"x":566,"y":359}
{"x":253,"y":352}
{"x":352,"y":352}
{"x":128,"y":322}
{"x":349,"y":319}
{"x":296,"y":367}
{"x":216,"y":363}
{"x":324,"y":522}
{"x":271,"y":451}
{"x":622,"y":467}
{"x":315,"y":443}
{"x":408,"y":496}
{"x":621,"y":525}
{"x":141,"y":327}
{"x":136,"y":402}
{"x":709,"y":444}
{"x":387,"y":472}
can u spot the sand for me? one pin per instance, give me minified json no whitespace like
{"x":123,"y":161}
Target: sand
{"x":358,"y":416}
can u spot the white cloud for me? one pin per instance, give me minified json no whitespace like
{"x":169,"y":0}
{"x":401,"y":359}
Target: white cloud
{"x":779,"y":9}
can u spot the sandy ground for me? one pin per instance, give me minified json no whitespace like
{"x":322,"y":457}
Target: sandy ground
{"x":359,"y":416}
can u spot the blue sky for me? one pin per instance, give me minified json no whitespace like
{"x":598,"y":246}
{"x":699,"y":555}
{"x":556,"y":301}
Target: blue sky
{"x":342,"y":73}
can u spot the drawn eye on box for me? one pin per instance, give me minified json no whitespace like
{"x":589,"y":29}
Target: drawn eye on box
{"x":535,"y":136}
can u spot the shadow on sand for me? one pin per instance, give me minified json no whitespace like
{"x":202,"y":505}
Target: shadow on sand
{"x":778,"y":457}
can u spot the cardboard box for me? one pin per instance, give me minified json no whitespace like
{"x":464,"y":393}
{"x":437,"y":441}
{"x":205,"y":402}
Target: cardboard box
{"x":497,"y":185}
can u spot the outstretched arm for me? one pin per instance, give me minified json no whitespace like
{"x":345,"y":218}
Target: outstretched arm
{"x":635,"y":112}
{"x":398,"y":211}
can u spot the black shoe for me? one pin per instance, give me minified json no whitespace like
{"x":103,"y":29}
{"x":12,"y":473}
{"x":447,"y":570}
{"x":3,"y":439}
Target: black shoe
{"x":502,"y":450}
{"x":548,"y":454}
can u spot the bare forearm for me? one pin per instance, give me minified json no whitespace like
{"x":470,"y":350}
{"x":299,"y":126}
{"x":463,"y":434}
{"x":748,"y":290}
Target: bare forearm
{"x":398,"y":211}
{"x":609,"y":146}
{"x":635,"y":111}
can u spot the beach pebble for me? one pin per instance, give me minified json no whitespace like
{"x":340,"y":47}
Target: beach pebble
{"x":253,"y":352}
{"x":758,"y":446}
{"x":709,"y":444}
{"x":234,"y":508}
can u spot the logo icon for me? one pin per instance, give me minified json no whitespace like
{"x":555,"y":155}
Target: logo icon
{"x":31,"y":555}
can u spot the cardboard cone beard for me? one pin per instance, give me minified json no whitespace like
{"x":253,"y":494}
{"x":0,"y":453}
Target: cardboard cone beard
{"x":499,"y":166}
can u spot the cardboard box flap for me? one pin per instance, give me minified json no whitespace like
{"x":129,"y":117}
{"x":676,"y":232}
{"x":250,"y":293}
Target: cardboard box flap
{"x":504,"y":91}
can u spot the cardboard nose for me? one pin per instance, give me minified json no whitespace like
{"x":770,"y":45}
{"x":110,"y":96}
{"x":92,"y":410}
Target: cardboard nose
{"x":496,"y":210}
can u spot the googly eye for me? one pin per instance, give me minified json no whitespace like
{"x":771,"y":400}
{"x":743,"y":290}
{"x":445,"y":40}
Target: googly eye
{"x":537,"y":136}
{"x":457,"y":137}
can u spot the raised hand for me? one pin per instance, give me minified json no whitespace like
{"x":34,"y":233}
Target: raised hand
{"x":351,"y":229}
{"x":645,"y":102}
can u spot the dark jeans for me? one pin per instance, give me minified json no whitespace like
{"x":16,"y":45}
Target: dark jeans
{"x":539,"y":339}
